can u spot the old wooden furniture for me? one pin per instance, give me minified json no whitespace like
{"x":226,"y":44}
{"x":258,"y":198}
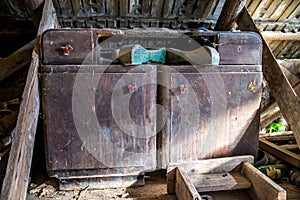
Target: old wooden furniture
{"x":102,"y":119}
{"x":105,"y":120}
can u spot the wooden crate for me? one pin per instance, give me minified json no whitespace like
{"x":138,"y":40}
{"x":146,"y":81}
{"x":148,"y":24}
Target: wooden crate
{"x":223,"y":178}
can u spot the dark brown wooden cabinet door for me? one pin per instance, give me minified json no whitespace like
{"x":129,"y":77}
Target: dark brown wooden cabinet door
{"x":99,"y":120}
{"x":212,"y":113}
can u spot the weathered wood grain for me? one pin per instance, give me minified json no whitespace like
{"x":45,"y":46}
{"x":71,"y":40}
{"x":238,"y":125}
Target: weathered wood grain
{"x":230,"y":11}
{"x":15,"y":182}
{"x":280,"y":88}
{"x":184,"y":187}
{"x":262,"y":186}
{"x":220,"y":181}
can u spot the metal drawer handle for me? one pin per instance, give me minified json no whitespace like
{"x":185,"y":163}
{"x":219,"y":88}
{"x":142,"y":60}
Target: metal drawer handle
{"x":66,"y":49}
{"x":184,"y":89}
{"x":132,"y":87}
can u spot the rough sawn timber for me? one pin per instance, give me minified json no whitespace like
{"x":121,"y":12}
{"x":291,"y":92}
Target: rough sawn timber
{"x":229,"y":13}
{"x":280,"y":87}
{"x":18,"y":168}
{"x":184,"y":188}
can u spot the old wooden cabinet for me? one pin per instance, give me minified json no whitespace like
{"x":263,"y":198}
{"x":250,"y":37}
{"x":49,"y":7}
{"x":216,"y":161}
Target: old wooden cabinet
{"x":104,"y":119}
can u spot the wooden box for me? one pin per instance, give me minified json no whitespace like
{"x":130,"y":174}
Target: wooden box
{"x":102,"y":120}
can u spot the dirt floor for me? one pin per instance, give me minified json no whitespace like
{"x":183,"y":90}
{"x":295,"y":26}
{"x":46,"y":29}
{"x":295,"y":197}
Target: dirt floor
{"x":155,"y":188}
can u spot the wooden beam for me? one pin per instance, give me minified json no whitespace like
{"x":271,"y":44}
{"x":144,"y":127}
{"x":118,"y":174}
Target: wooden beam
{"x":229,"y":14}
{"x":278,"y":35}
{"x":280,"y":87}
{"x":16,"y":60}
{"x":16,"y":178}
{"x":184,"y":187}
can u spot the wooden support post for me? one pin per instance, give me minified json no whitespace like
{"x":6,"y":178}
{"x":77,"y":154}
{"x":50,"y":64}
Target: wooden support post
{"x":16,"y":60}
{"x":229,"y":14}
{"x":280,"y":87}
{"x":15,"y":182}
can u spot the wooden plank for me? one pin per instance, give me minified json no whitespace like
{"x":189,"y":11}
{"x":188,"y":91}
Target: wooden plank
{"x":253,"y":6}
{"x":16,"y":60}
{"x":230,"y":11}
{"x":275,"y":134}
{"x":280,"y":152}
{"x":280,"y":9}
{"x":289,"y":10}
{"x":289,"y":102}
{"x":260,"y":9}
{"x":220,"y":182}
{"x":271,"y":9}
{"x":218,"y":165}
{"x":262,"y":186}
{"x":290,"y":147}
{"x":184,"y":188}
{"x":17,"y":172}
{"x":278,"y":35}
